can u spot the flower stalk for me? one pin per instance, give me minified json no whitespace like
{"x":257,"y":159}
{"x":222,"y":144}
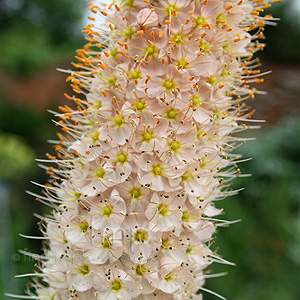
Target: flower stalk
{"x":159,"y":91}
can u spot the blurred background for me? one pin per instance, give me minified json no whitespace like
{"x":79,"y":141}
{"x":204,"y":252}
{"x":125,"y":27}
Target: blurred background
{"x":38,"y":36}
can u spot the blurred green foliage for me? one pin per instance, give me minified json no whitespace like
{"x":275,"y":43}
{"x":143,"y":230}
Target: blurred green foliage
{"x":283,"y":39}
{"x":24,"y":134}
{"x":266,"y":244}
{"x":35,"y":33}
{"x":32,"y":125}
{"x":15,"y":157}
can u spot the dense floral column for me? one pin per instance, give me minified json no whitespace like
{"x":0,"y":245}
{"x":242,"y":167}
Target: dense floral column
{"x":147,"y":153}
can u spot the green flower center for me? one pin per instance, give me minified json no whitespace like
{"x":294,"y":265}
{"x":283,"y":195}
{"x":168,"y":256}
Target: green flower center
{"x":168,"y":84}
{"x":106,"y":211}
{"x":181,"y":62}
{"x":129,"y":3}
{"x":220,"y":20}
{"x":128,"y":32}
{"x":211,"y":79}
{"x":116,"y":286}
{"x":112,"y":80}
{"x":199,"y":21}
{"x":84,"y":226}
{"x":175,"y":146}
{"x":146,"y":136}
{"x":171,"y":8}
{"x":134,"y":74}
{"x":204,"y":46}
{"x":114,"y":52}
{"x":140,"y":105}
{"x":140,"y":270}
{"x":98,"y":104}
{"x":195,"y":100}
{"x":140,"y":236}
{"x":220,"y":17}
{"x":177,"y":38}
{"x":162,"y":209}
{"x":227,"y":48}
{"x":118,"y":120}
{"x":150,"y":50}
{"x":171,"y":114}
{"x":188,"y":250}
{"x":169,"y":277}
{"x":135,"y":193}
{"x":106,"y":244}
{"x":84,"y":269}
{"x":100,"y":172}
{"x":77,"y":195}
{"x":95,"y":136}
{"x":165,"y":244}
{"x":121,"y":158}
{"x":186,"y":216}
{"x":156,"y":170}
{"x":224,"y":73}
{"x":185,"y":176}
{"x":203,"y":164}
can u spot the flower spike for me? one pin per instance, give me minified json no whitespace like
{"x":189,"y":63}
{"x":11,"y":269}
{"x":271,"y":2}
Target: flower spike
{"x":146,"y":152}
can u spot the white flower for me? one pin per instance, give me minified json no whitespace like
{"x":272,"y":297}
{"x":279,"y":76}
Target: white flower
{"x":108,"y":212}
{"x":164,"y":213}
{"x":105,"y":246}
{"x":115,"y":284}
{"x":141,"y":240}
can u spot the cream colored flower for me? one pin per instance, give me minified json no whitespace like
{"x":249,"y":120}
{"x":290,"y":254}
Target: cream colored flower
{"x":145,"y":154}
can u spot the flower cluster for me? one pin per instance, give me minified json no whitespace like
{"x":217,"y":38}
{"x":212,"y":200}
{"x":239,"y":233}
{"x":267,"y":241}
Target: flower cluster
{"x":159,"y":90}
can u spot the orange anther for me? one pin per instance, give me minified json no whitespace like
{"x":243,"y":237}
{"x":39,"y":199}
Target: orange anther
{"x":257,"y":80}
{"x":62,"y":108}
{"x":67,"y":96}
{"x":101,"y":66}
